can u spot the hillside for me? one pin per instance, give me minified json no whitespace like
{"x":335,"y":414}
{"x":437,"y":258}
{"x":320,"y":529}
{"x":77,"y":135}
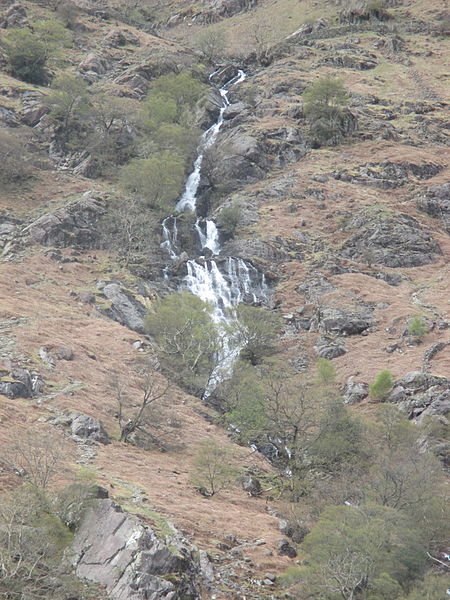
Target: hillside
{"x":331,"y":248}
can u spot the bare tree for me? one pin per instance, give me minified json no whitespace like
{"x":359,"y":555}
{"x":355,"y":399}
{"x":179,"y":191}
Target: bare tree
{"x":134,"y":414}
{"x":37,"y":457}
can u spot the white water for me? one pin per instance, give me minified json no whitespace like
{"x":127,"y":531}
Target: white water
{"x":238,"y":280}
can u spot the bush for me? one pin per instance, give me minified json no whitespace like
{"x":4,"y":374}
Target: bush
{"x":325,"y":107}
{"x":417,"y":327}
{"x":212,"y":45}
{"x":355,"y":11}
{"x":256,"y":331}
{"x":15,"y":163}
{"x":27,"y":55}
{"x":382,"y":385}
{"x":229,"y":217}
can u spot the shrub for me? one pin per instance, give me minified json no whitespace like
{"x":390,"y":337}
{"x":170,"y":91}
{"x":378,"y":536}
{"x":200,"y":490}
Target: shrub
{"x":355,"y":11}
{"x":325,"y":107}
{"x":256,"y":331}
{"x":417,"y":327}
{"x":15,"y":164}
{"x":212,"y":45}
{"x":229,"y":217}
{"x":27,"y":55}
{"x":382,"y":385}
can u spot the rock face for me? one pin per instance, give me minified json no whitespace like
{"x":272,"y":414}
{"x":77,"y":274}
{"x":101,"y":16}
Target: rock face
{"x":327,"y":347}
{"x":355,"y":391}
{"x":344,"y":322}
{"x":20,"y":383}
{"x":391,"y":240}
{"x":117,"y":551}
{"x":124,"y":308}
{"x":419,"y":394}
{"x":74,"y":224}
{"x":436,"y":203}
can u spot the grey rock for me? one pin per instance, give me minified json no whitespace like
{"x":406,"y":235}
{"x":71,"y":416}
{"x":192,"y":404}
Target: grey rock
{"x":344,"y":322}
{"x":8,"y":117}
{"x":392,"y":240}
{"x":74,"y":224}
{"x":419,"y":394}
{"x":436,"y":203}
{"x":234,"y":110}
{"x":46,"y":357}
{"x":124,"y":308}
{"x":117,"y":551}
{"x":88,"y":428}
{"x":355,"y":391}
{"x":285,"y":549}
{"x":252,"y":485}
{"x":329,"y":348}
{"x":121,"y":37}
{"x":93,"y":63}
{"x":251,"y":249}
{"x":14,"y":15}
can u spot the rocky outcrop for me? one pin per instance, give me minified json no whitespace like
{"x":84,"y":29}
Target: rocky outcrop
{"x":355,"y":391}
{"x":436,"y":203}
{"x":420,"y":394}
{"x":118,"y":551}
{"x":341,"y":321}
{"x":212,"y":11}
{"x":254,"y":250}
{"x":20,"y":383}
{"x":14,"y":15}
{"x":121,"y":37}
{"x":123,"y":307}
{"x":388,"y":175}
{"x":329,"y":347}
{"x":33,"y":108}
{"x":93,"y":67}
{"x":391,"y":240}
{"x":71,"y":225}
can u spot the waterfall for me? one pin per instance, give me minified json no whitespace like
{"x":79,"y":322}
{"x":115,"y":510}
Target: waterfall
{"x":237,"y":281}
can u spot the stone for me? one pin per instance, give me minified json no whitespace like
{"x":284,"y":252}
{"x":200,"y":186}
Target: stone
{"x":93,"y":63}
{"x":394,"y":240}
{"x":14,"y":16}
{"x":326,"y":347}
{"x":436,"y":203}
{"x":124,"y":307}
{"x":285,"y":549}
{"x":46,"y":357}
{"x":8,"y":117}
{"x":121,"y":37}
{"x":355,"y":391}
{"x":251,"y":485}
{"x":419,"y":394}
{"x":119,"y":552}
{"x":344,"y":322}
{"x":88,"y":428}
{"x":63,"y":353}
{"x":72,"y":225}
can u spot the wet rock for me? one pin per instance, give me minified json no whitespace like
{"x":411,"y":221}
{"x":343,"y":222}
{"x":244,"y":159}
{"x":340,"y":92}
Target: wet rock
{"x":395,"y":240}
{"x":355,"y":391}
{"x":123,"y":308}
{"x":116,"y":550}
{"x":285,"y":549}
{"x":436,"y":203}
{"x":88,"y":428}
{"x":234,"y":110}
{"x":329,"y":348}
{"x":74,"y":224}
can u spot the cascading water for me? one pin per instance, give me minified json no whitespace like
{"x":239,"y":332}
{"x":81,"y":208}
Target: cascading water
{"x":237,"y":281}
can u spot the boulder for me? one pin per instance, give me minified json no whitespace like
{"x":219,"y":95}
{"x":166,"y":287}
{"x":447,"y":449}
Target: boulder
{"x":124,"y":308}
{"x":121,"y":37}
{"x":20,"y":383}
{"x":344,"y":322}
{"x":119,"y":552}
{"x":355,"y":391}
{"x":88,"y":428}
{"x":71,"y":225}
{"x":33,"y":108}
{"x":93,"y":63}
{"x":254,"y":249}
{"x":285,"y":549}
{"x":329,"y":348}
{"x":8,"y":117}
{"x":14,"y":16}
{"x":252,"y":485}
{"x":394,"y":240}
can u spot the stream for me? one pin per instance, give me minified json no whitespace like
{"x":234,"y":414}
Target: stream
{"x":235,"y":280}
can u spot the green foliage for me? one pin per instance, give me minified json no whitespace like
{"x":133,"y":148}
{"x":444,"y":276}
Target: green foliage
{"x":355,"y":11}
{"x":382,"y":385}
{"x":67,"y":12}
{"x":69,"y":104}
{"x":229,"y":217}
{"x":417,"y":327}
{"x":325,"y":107}
{"x":255,"y":331}
{"x":188,"y":340}
{"x":433,"y":586}
{"x":157,"y":181}
{"x":339,"y":439}
{"x":213,"y":470}
{"x":182,"y":88}
{"x":54,"y":35}
{"x":368,"y":550}
{"x":326,"y":372}
{"x":27,"y":55}
{"x":15,"y":162}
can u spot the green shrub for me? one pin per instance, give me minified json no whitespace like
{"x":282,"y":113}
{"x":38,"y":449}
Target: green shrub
{"x":417,"y":327}
{"x":382,"y":385}
{"x":27,"y":55}
{"x":325,"y":107}
{"x":212,"y":469}
{"x":15,"y":162}
{"x":229,"y":217}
